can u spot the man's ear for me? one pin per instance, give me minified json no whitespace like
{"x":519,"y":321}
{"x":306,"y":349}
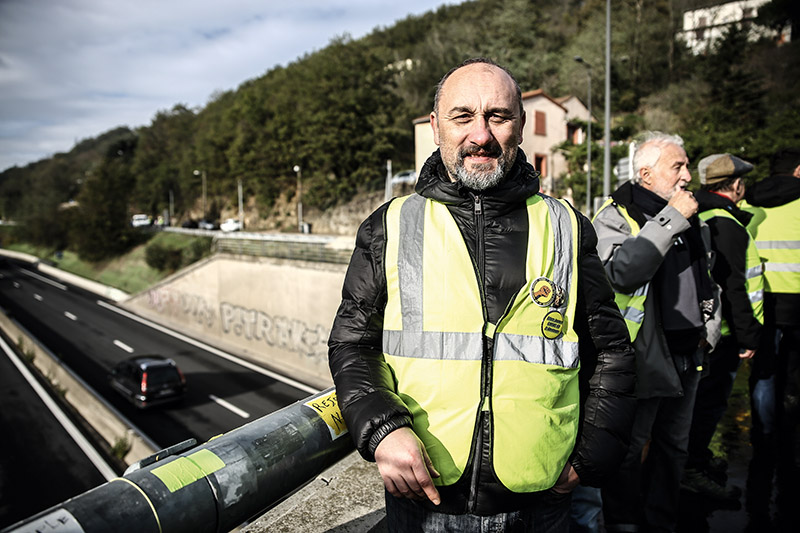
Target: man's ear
{"x":645,"y":175}
{"x":521,"y":127}
{"x":435,"y":126}
{"x":796,"y":172}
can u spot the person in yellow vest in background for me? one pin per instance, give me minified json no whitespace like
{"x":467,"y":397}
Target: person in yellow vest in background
{"x":478,"y":355}
{"x":656,"y":253}
{"x":738,"y":270}
{"x":775,"y":372}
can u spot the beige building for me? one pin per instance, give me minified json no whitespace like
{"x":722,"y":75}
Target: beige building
{"x":705,"y":26}
{"x":550,"y":122}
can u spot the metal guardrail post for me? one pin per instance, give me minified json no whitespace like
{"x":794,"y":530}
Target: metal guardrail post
{"x":216,"y":486}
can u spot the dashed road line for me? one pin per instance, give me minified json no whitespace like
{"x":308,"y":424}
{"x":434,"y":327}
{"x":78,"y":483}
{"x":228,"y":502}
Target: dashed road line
{"x":122,"y":345}
{"x":229,"y":406}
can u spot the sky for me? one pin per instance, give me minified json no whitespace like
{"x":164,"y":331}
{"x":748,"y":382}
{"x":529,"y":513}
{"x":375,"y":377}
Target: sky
{"x":74,"y":69}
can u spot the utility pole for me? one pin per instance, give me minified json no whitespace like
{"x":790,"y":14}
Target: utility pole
{"x":388,"y":193}
{"x":298,"y":170}
{"x":203,"y":177}
{"x":607,"y":144}
{"x":241,"y":208}
{"x":579,"y":59}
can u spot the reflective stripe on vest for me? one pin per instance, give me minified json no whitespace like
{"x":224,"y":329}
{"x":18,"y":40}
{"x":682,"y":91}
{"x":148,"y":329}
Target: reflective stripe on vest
{"x":631,"y":305}
{"x":433,"y":340}
{"x":776,"y":231}
{"x":754,"y":270}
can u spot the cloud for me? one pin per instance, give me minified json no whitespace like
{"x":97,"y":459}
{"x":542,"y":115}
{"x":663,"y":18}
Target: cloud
{"x":73,"y":70}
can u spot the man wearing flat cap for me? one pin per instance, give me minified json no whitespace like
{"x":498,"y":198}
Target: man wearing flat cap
{"x":737,"y":269}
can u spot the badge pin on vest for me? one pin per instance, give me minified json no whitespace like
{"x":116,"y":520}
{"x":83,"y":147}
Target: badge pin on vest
{"x":545,"y":293}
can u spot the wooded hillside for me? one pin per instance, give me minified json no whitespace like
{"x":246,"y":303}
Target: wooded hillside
{"x":341,"y":112}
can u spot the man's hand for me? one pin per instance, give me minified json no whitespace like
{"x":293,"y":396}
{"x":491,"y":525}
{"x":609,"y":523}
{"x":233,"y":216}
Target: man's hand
{"x":405,"y":466}
{"x":684,"y":202}
{"x":746,"y":353}
{"x":567,"y":481}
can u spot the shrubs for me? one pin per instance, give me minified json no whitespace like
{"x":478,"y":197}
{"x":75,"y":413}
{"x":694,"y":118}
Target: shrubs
{"x":164,"y":257}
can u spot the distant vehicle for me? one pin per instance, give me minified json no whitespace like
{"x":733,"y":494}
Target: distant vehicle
{"x":189,"y":224}
{"x":207,"y":224}
{"x":148,"y":380}
{"x":231,"y":224}
{"x":406,"y":176}
{"x":141,"y":220}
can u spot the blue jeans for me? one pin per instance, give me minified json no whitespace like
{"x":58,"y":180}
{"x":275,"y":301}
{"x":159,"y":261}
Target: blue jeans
{"x":585,"y":512}
{"x":548,"y":515}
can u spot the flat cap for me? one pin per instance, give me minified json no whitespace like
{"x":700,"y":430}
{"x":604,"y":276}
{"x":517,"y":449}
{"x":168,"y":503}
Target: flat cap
{"x":718,"y":167}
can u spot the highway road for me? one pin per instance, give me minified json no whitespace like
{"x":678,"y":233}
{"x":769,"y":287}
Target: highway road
{"x":41,"y":464}
{"x":90,"y":335}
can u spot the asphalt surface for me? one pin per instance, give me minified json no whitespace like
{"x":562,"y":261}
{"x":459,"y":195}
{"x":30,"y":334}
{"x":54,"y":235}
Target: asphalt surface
{"x":91,"y":336}
{"x":770,"y":493}
{"x":40,"y":464}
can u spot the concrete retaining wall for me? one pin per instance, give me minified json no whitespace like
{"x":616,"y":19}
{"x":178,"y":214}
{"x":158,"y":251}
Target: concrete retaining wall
{"x":275,"y":312}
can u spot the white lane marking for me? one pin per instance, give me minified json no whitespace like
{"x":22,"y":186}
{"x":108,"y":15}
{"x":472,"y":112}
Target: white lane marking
{"x":44,"y":279}
{"x":215,"y":351}
{"x":120,"y":344}
{"x":70,"y":315}
{"x":229,"y":406}
{"x":38,"y":297}
{"x":97,"y":460}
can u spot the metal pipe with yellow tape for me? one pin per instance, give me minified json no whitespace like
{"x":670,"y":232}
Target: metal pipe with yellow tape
{"x":213,"y":487}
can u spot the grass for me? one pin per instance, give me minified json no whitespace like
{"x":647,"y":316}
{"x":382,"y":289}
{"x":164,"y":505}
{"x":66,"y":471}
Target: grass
{"x":733,"y":431}
{"x":129,"y":272}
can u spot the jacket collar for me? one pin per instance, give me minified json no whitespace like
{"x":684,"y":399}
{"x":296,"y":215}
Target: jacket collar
{"x":624,"y":197}
{"x":521,"y":182}
{"x":774,"y":191}
{"x":708,"y":200}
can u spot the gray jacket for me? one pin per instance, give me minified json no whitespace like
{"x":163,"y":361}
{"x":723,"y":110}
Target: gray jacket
{"x":630,"y":262}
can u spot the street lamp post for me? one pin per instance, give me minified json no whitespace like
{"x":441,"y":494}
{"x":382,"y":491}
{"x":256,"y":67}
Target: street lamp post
{"x":299,"y":198}
{"x":580,"y":60}
{"x":241,"y":207}
{"x":607,"y":118}
{"x":203,"y":176}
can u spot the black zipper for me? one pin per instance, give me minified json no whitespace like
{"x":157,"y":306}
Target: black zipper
{"x":482,"y":430}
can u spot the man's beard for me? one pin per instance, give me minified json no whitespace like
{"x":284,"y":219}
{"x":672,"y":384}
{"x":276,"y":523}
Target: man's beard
{"x":483,"y":176}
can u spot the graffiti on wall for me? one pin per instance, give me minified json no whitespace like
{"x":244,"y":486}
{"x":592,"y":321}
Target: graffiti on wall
{"x":252,"y":325}
{"x":177,"y":303}
{"x":289,"y":334}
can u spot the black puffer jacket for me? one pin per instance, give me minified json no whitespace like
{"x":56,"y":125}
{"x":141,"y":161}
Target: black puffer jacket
{"x":729,"y":242}
{"x":494,"y":225}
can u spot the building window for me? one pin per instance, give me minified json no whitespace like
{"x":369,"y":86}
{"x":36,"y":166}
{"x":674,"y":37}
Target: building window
{"x":539,"y":123}
{"x":540,"y":163}
{"x":701,"y":29}
{"x":574,"y":133}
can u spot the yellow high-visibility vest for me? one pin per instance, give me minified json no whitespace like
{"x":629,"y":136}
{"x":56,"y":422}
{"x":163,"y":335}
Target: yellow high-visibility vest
{"x":754,"y":270}
{"x":631,"y":305}
{"x":435,"y":333}
{"x":776,"y":231}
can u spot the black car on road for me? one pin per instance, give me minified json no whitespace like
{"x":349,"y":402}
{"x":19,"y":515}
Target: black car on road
{"x":148,"y":380}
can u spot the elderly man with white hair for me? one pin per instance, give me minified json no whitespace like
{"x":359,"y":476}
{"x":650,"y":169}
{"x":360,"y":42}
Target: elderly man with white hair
{"x":655,"y":251}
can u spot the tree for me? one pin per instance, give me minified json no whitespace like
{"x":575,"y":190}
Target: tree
{"x":102,"y":227}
